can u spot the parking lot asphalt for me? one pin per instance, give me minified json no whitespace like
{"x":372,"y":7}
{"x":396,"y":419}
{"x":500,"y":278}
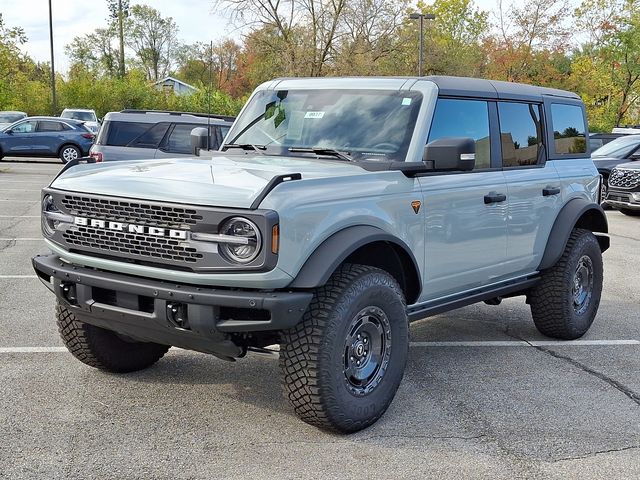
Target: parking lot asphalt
{"x":484,"y":394}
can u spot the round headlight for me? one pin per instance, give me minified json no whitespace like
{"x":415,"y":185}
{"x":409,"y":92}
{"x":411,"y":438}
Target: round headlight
{"x":247,"y":246}
{"x":48,"y":225}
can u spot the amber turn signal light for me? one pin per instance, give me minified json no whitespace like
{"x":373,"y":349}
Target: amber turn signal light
{"x":275,"y":239}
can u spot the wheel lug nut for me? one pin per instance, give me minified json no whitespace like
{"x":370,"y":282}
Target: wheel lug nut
{"x":365,"y":340}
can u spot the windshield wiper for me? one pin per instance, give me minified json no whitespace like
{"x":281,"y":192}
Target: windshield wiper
{"x":244,"y":146}
{"x":322,"y":151}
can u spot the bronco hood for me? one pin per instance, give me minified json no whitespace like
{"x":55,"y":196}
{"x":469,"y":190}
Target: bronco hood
{"x":225,"y":181}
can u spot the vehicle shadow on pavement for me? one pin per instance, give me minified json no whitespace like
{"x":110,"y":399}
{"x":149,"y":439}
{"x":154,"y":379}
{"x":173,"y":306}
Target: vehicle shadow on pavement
{"x":253,"y":379}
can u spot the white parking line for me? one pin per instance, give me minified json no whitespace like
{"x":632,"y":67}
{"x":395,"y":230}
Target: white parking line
{"x":528,"y":343}
{"x":32,"y":349}
{"x":506,"y":343}
{"x":5,"y":180}
{"x":16,"y":277}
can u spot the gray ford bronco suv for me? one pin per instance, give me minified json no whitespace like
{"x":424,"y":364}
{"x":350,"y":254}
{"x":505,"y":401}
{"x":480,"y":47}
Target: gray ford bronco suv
{"x":336,"y":211}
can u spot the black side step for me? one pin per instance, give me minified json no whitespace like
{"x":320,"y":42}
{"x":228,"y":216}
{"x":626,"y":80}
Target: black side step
{"x":429,"y":309}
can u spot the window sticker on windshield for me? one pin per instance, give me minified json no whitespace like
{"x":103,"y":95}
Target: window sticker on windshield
{"x":314,"y":115}
{"x":406,"y":101}
{"x":294,"y":131}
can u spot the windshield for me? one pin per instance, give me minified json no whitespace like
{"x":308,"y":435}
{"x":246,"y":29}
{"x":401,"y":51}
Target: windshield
{"x":11,"y":117}
{"x":374,"y":124}
{"x":618,"y":148}
{"x":82,"y":116}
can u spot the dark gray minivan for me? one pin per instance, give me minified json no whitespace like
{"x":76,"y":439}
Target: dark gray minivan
{"x":145,"y":134}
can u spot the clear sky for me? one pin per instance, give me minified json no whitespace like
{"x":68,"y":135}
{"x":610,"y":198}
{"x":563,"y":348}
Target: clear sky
{"x":195,"y":18}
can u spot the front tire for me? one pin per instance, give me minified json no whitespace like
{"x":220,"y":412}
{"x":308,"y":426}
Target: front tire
{"x":69,"y":152}
{"x":104,"y":349}
{"x":629,"y":212}
{"x":565,"y":301}
{"x":343,"y":363}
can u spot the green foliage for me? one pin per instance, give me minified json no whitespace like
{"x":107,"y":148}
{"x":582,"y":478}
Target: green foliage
{"x":84,"y":90}
{"x":525,"y":41}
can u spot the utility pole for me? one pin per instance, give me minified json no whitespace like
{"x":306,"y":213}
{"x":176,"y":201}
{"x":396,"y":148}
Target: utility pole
{"x":54,"y":100}
{"x":121,"y":34}
{"x":421,"y":17}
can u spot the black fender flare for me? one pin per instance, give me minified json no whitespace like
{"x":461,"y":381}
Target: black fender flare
{"x":335,"y":249}
{"x":577,"y":212}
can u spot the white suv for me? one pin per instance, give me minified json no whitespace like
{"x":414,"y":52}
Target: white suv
{"x":89,"y":117}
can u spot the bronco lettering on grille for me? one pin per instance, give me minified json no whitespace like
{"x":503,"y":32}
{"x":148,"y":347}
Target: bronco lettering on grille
{"x":130,"y":228}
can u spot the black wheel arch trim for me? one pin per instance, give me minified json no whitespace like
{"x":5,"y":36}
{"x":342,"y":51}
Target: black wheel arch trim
{"x":334,"y":250}
{"x":577,"y":212}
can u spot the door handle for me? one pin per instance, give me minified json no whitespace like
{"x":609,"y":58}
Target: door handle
{"x":547,"y":191}
{"x":493,"y":197}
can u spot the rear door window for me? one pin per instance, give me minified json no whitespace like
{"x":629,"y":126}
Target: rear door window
{"x":120,"y":134}
{"x":179,"y":140}
{"x":568,"y":129}
{"x":152,"y":137}
{"x":464,"y":118}
{"x":520,"y":133}
{"x":49,"y":126}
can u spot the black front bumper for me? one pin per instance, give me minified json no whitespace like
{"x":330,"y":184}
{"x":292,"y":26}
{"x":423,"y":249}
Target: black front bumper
{"x":141,"y":307}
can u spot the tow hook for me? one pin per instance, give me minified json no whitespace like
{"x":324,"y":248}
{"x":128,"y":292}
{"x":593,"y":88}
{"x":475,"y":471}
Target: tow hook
{"x":177,"y":315}
{"x":69,"y":292}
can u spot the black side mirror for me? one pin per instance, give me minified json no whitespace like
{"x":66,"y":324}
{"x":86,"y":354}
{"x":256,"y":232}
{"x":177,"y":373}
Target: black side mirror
{"x":199,"y":140}
{"x":454,"y":153}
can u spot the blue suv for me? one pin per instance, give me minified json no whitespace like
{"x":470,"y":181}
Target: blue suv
{"x":66,"y":139}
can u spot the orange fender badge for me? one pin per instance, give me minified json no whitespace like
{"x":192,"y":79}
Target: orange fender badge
{"x":416,"y":206}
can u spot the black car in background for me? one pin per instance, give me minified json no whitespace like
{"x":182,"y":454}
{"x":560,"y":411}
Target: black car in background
{"x":65,"y":138}
{"x":620,"y":150}
{"x":596,"y":140}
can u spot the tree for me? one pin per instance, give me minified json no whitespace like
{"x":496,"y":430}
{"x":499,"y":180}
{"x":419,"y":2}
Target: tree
{"x":454,"y":38}
{"x":118,"y":12}
{"x":613,"y":54}
{"x":305,"y":34}
{"x":95,"y":52}
{"x":153,"y":40}
{"x":198,"y":62}
{"x":529,"y":35}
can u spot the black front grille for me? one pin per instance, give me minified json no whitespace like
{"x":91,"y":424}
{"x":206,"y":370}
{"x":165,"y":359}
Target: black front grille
{"x":136,"y":212}
{"x":624,"y":178}
{"x":131,"y":244}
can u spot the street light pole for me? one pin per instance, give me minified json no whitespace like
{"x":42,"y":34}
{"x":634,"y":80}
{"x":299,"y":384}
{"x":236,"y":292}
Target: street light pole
{"x":54,"y":102}
{"x":421,"y":17}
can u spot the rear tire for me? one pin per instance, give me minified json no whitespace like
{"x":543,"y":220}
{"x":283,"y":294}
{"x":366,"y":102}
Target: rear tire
{"x":565,"y":301}
{"x":343,"y":363}
{"x":631,"y":213}
{"x":104,"y":349}
{"x":69,"y":152}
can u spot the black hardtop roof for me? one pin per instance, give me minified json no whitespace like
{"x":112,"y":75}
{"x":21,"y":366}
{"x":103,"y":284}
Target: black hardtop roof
{"x":478,"y":87}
